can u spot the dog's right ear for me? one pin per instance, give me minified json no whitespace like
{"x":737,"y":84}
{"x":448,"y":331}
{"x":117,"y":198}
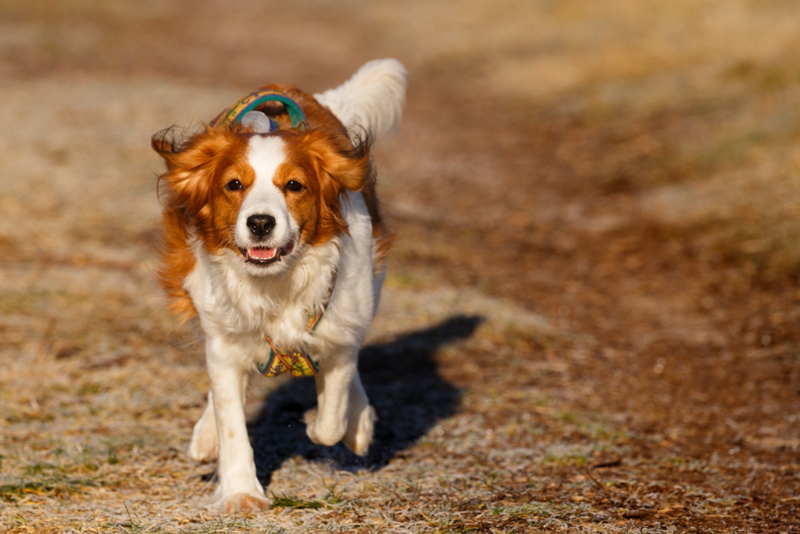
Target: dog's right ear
{"x":190,"y":166}
{"x":166,"y":145}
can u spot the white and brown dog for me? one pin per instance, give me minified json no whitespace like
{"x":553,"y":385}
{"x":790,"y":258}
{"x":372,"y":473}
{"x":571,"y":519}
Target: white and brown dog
{"x":274,"y":240}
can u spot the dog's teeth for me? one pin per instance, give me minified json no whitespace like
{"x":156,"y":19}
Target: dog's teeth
{"x":262,"y":253}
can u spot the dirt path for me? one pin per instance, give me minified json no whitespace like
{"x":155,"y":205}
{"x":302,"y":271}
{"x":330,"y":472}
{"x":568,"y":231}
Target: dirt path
{"x":590,"y":323}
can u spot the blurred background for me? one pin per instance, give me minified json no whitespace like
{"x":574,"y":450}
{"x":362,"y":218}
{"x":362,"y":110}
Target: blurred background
{"x":612,"y":186}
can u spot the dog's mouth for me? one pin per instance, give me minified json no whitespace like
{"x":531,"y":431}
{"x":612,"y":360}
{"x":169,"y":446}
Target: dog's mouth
{"x":264,"y":255}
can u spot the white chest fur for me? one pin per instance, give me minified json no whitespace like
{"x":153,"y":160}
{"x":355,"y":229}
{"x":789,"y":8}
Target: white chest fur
{"x":243,"y":309}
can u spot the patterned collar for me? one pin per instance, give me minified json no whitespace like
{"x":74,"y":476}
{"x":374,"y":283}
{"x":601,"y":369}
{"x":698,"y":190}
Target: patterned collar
{"x":296,"y":361}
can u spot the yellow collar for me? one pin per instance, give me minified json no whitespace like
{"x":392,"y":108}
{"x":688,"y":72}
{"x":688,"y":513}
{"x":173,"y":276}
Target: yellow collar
{"x":296,"y":361}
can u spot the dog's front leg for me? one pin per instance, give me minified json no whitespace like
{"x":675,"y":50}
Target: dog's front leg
{"x":239,"y":488}
{"x":343,"y":410}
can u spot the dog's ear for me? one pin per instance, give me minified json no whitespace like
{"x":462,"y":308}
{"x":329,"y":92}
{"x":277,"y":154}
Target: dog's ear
{"x":340,"y":168}
{"x":167,"y":145}
{"x":190,"y":168}
{"x":347,"y":166}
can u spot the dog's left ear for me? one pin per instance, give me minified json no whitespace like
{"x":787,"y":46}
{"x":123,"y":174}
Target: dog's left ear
{"x":341,"y":167}
{"x":348,"y":167}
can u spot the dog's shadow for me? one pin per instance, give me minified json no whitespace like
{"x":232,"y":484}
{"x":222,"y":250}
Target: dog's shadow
{"x":403,"y":386}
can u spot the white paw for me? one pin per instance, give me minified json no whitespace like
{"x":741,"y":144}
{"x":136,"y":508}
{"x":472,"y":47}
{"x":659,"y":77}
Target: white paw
{"x":320,"y":433}
{"x":310,"y":416}
{"x":243,"y":502}
{"x":205,"y":443}
{"x":359,"y":431}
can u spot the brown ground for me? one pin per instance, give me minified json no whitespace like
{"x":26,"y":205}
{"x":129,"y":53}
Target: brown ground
{"x":591,"y":321}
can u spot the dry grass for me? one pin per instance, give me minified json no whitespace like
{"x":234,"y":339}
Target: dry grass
{"x":591,"y":321}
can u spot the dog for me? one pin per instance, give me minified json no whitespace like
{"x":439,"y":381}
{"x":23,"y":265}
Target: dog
{"x":273,"y":238}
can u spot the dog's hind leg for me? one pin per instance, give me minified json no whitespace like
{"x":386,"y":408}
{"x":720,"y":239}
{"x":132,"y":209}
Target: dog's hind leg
{"x":205,"y":442}
{"x":360,"y":419}
{"x":343,"y":411}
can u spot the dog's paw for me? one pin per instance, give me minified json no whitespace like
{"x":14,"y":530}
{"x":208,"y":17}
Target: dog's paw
{"x":320,"y":433}
{"x":310,"y":416}
{"x":205,"y":442}
{"x":244,"y":503}
{"x":203,"y":450}
{"x":359,"y":431}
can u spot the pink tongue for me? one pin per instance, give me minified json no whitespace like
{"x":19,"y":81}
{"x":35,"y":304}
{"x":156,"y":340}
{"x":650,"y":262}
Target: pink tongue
{"x":262,"y":253}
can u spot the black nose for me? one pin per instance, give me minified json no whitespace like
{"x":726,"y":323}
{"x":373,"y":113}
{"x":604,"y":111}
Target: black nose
{"x":261,"y":225}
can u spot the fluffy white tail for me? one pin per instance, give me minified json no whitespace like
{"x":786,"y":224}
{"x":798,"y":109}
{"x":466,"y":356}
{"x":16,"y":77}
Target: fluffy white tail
{"x":372,"y":99}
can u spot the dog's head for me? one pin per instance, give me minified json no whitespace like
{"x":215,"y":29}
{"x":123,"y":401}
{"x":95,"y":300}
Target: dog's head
{"x":266,"y":197}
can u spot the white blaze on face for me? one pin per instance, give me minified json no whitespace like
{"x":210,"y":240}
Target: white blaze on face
{"x":265,"y":155}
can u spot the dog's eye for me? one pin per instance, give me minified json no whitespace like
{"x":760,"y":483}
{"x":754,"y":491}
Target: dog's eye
{"x":234,"y":185}
{"x":293,"y":185}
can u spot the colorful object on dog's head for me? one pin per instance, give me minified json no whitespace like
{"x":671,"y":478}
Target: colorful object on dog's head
{"x":236,"y":112}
